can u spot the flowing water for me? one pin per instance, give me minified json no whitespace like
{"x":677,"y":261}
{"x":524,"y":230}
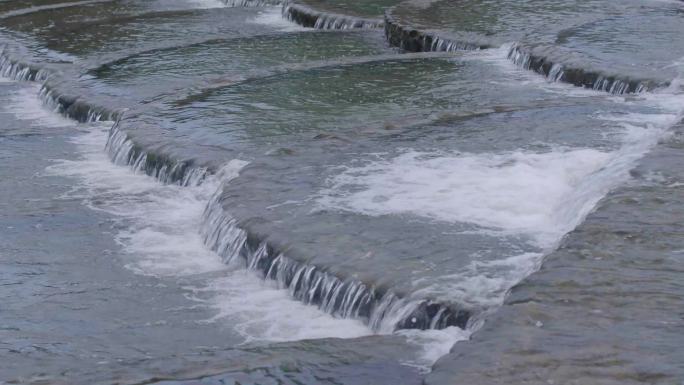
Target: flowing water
{"x":207,"y":191}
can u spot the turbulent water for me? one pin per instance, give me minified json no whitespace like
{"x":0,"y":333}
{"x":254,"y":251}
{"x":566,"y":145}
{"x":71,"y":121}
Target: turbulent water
{"x":329,"y":192}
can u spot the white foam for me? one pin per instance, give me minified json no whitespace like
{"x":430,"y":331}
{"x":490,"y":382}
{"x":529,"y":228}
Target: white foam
{"x":432,"y":344}
{"x":27,"y":107}
{"x":483,"y":283}
{"x":559,"y":188}
{"x":540,"y":195}
{"x":517,"y":192}
{"x":159,"y":234}
{"x":159,"y":223}
{"x":160,"y":237}
{"x":267,"y":313}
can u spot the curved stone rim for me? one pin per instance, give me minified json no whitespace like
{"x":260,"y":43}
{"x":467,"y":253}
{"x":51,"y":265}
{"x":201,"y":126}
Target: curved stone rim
{"x":341,"y":296}
{"x":413,"y":39}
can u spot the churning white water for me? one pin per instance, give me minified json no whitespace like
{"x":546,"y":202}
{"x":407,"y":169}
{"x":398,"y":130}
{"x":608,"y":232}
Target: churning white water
{"x":538,"y":195}
{"x":160,"y":237}
{"x":24,"y":105}
{"x":517,"y":192}
{"x":158,"y":232}
{"x":158,"y":229}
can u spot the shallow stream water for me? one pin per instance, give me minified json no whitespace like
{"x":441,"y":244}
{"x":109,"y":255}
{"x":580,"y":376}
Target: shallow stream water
{"x":208,"y":192}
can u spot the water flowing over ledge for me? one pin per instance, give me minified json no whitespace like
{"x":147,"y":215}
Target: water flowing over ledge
{"x":308,"y":17}
{"x":415,"y":40}
{"x":557,"y":72}
{"x":124,"y":152}
{"x":381,"y":309}
{"x":21,"y":71}
{"x":75,"y":107}
{"x":71,"y":106}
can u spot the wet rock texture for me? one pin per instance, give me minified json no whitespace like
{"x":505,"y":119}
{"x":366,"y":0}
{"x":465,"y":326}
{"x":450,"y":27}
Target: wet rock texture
{"x":603,"y":309}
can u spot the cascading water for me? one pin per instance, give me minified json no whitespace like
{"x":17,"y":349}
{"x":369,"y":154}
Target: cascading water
{"x":123,"y":151}
{"x":411,"y":39}
{"x":512,"y":196}
{"x":383,"y":312}
{"x":555,"y":72}
{"x":17,"y":71}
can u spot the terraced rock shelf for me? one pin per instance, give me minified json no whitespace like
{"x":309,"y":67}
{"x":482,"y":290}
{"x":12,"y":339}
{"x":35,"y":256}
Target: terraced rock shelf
{"x":334,"y":192}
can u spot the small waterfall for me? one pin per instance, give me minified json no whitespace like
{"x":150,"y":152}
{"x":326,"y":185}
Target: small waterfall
{"x":414,"y":40}
{"x":307,"y":17}
{"x":615,"y":86}
{"x":383,"y":311}
{"x":46,"y":95}
{"x":74,"y":107}
{"x":336,"y":22}
{"x":15,"y":70}
{"x":120,"y":148}
{"x":439,"y":44}
{"x":558,"y":73}
{"x":123,"y":151}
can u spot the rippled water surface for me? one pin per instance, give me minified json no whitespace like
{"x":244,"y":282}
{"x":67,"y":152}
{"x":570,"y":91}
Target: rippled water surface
{"x":632,"y":39}
{"x":205,"y":192}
